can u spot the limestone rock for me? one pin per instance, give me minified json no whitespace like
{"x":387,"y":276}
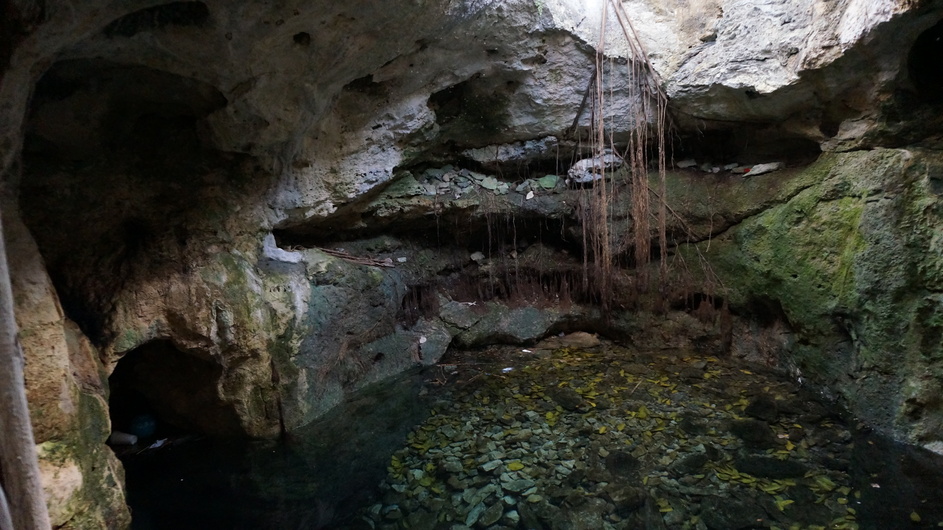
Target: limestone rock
{"x":762,"y":169}
{"x":592,"y":169}
{"x":66,"y":385}
{"x":180,"y":169}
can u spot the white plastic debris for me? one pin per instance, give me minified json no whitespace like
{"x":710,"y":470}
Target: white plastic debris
{"x":529,"y":196}
{"x":506,"y":370}
{"x":401,"y":259}
{"x":526,"y":351}
{"x":422,"y":339}
{"x":158,"y":444}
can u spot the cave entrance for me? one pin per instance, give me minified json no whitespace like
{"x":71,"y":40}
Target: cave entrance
{"x":157,"y":390}
{"x":924,"y":64}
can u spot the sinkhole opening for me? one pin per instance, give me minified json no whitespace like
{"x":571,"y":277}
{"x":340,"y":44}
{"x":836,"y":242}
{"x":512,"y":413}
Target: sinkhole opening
{"x":159,"y":391}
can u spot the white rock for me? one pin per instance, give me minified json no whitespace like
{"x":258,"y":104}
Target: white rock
{"x":760,"y":169}
{"x":122,"y":438}
{"x":592,"y":169}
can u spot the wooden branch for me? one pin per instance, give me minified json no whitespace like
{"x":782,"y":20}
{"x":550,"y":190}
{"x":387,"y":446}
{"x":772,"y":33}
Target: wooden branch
{"x":19,"y":467}
{"x":356,"y":259}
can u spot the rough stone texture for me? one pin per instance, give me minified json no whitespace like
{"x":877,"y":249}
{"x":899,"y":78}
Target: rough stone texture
{"x":821,"y":70}
{"x":67,"y":392}
{"x":848,"y":264}
{"x":181,"y":162}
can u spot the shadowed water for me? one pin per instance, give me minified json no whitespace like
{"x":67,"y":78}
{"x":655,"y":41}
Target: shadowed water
{"x":603,"y":437}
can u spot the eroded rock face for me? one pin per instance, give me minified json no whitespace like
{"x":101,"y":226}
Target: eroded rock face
{"x":67,"y":393}
{"x":292,"y":200}
{"x":849,"y":263}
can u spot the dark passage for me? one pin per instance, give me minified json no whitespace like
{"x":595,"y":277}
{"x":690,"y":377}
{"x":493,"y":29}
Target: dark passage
{"x":172,"y":391}
{"x":924,"y":64}
{"x":316,"y":478}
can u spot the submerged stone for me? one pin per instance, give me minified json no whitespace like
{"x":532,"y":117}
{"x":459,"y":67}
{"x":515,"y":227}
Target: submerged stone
{"x":567,"y":398}
{"x":769,"y":467}
{"x":762,"y":407}
{"x":754,"y":433}
{"x":622,"y":464}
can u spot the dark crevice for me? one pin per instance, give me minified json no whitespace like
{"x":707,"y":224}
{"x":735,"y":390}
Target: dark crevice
{"x":474,"y":111}
{"x":923,"y":63}
{"x":302,"y":39}
{"x":747,"y":144}
{"x":159,"y":390}
{"x":194,"y":14}
{"x":420,"y":301}
{"x":470,"y":231}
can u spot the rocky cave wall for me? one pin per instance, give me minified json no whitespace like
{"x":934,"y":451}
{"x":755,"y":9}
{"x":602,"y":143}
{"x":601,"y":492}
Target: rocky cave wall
{"x":288,"y":201}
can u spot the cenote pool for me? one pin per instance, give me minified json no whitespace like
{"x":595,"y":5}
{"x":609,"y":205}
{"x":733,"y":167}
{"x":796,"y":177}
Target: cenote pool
{"x":559,"y":437}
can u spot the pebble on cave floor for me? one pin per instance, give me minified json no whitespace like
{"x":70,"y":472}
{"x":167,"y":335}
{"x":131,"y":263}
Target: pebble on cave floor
{"x":610,"y":437}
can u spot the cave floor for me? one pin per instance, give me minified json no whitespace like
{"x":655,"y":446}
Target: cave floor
{"x":565,"y":435}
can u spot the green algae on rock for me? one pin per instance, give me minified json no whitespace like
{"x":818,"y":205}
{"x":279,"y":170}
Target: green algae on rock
{"x":843,"y":263}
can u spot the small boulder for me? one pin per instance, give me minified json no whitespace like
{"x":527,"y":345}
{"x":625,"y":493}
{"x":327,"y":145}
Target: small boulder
{"x":626,"y":499}
{"x":763,"y":407}
{"x":622,"y":464}
{"x":720,"y":513}
{"x":754,"y":433}
{"x":592,"y":169}
{"x":567,"y":398}
{"x":761,"y":169}
{"x":768,"y":467}
{"x":690,"y":464}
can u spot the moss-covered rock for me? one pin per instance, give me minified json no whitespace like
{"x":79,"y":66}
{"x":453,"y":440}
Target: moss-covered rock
{"x":848,"y":264}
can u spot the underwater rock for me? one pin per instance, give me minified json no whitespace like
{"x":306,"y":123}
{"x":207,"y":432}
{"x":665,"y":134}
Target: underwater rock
{"x":622,"y":464}
{"x":689,"y":464}
{"x":548,"y":182}
{"x":492,"y":514}
{"x":720,"y":513}
{"x":762,"y":407}
{"x":578,"y":339}
{"x":626,"y":498}
{"x":567,"y":398}
{"x":754,"y":433}
{"x":769,"y":467}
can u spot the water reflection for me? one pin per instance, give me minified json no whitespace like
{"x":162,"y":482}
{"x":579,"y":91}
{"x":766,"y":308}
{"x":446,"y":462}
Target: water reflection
{"x":310,"y":480}
{"x":599,"y":437}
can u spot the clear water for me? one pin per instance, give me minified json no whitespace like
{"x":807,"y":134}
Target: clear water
{"x":605,"y":437}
